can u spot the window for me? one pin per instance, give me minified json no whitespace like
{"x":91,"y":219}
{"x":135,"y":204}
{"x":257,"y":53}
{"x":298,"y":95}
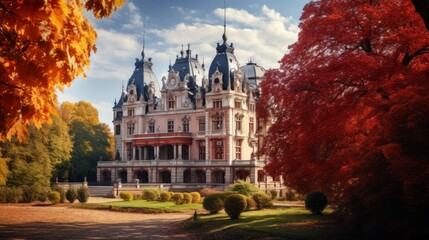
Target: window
{"x":238,"y":123}
{"x":118,"y":129}
{"x":219,"y":149}
{"x":129,"y":151}
{"x":217,"y":103}
{"x":131,"y":112}
{"x":119,"y":114}
{"x":171,"y":102}
{"x":238,"y":149}
{"x":202,"y":150}
{"x":185,"y":125}
{"x":237,"y":104}
{"x":131,"y":127}
{"x":170,"y":126}
{"x":252,"y":107}
{"x":170,"y":152}
{"x":151,"y":127}
{"x":185,"y":152}
{"x":217,"y":122}
{"x":201,"y":125}
{"x":251,"y":125}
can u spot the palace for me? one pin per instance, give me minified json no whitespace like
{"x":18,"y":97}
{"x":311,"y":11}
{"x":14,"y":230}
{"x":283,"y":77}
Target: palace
{"x":202,"y":132}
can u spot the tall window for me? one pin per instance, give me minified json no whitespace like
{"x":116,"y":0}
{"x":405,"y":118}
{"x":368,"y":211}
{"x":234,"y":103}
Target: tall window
{"x":151,"y":127}
{"x":217,"y":103}
{"x":119,"y":115}
{"x":170,"y":126}
{"x":118,"y":129}
{"x":202,"y":150}
{"x":238,"y":149}
{"x":185,"y":152}
{"x":129,"y":151}
{"x":201,"y":124}
{"x":237,"y":104}
{"x":217,"y":122}
{"x":238,"y":123}
{"x":185,"y":125}
{"x":251,"y":125}
{"x":252,"y":107}
{"x":171,"y":102}
{"x":131,"y":112}
{"x":131,"y":127}
{"x":219,"y":149}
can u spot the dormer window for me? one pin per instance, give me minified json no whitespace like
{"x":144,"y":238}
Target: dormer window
{"x":171,"y":102}
{"x":216,"y":80}
{"x":131,"y":92}
{"x":131,"y":112}
{"x":217,"y":103}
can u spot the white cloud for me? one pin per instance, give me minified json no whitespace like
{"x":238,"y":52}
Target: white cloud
{"x":135,"y":21}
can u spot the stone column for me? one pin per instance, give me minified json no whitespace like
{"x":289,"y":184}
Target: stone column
{"x":208,"y":176}
{"x":144,"y":153}
{"x":134,"y":152}
{"x":98,"y":175}
{"x":157,"y":152}
{"x":130,"y":175}
{"x":175,"y":151}
{"x":179,"y":152}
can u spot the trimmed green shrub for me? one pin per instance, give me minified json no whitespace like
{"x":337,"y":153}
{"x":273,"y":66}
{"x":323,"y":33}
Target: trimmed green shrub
{"x":273,"y":194}
{"x":177,"y":198}
{"x":165,"y":197}
{"x":43,"y":195}
{"x":82,"y":194}
{"x":31,"y":193}
{"x":187,"y":198}
{"x":250,"y":203}
{"x":71,"y":195}
{"x":213,"y":202}
{"x":126,"y":196}
{"x":137,"y":196}
{"x":150,"y":195}
{"x":11,"y":195}
{"x":235,"y":204}
{"x":54,"y":197}
{"x":243,"y":187}
{"x":196,"y":197}
{"x":262,"y":200}
{"x":62,"y":193}
{"x":316,"y":202}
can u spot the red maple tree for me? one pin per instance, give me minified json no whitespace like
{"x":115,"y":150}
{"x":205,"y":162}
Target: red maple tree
{"x":350,"y":111}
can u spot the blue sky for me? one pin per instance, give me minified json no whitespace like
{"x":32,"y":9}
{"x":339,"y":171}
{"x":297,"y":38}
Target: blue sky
{"x":259,"y":29}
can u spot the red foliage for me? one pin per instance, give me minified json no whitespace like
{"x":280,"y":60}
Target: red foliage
{"x":351,"y":107}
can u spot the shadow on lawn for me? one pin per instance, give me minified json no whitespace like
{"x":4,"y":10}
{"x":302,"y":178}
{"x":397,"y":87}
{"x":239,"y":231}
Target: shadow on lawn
{"x":157,"y":229}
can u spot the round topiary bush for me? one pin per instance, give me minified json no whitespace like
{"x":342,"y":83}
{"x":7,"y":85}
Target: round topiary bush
{"x":61,"y":191}
{"x":262,"y":200}
{"x":250,"y":203}
{"x":126,"y":196}
{"x":82,"y":194}
{"x":150,"y":195}
{"x":273,"y":194}
{"x":165,"y":197}
{"x":54,"y":197}
{"x":177,"y":198}
{"x":171,"y":194}
{"x":316,"y":202}
{"x":137,"y":196}
{"x":235,"y":204}
{"x":71,"y":195}
{"x":213,"y":203}
{"x":196,"y":197}
{"x":187,"y":198}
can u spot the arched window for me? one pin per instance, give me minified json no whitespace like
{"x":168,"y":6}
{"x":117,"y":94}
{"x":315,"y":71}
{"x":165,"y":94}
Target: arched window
{"x":218,"y":177}
{"x":143,"y":176}
{"x":187,"y":177}
{"x":165,"y":176}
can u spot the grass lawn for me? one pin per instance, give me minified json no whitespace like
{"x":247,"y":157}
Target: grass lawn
{"x":274,"y":223}
{"x":147,"y":207}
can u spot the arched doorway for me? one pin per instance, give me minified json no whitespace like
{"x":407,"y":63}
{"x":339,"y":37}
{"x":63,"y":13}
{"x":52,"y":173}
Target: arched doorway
{"x":165,"y":176}
{"x":218,"y":176}
{"x":201,"y":176}
{"x":106,"y":177}
{"x":123,"y":175}
{"x":143,"y":176}
{"x":242,"y":174}
{"x":187,"y":177}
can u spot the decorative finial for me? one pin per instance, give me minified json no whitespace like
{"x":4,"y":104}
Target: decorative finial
{"x":144,"y":36}
{"x":203,"y":65}
{"x":181,"y":51}
{"x":123,"y":85}
{"x":169,"y":66}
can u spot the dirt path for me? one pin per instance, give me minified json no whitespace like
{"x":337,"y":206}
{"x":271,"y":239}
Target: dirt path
{"x":20,"y":221}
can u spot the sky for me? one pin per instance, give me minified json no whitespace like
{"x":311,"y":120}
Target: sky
{"x":261,"y":30}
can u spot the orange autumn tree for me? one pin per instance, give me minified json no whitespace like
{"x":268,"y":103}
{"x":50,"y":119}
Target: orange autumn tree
{"x":44,"y":46}
{"x":350,"y":114}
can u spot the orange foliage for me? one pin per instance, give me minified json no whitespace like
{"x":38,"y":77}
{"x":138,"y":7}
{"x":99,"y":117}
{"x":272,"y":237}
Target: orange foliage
{"x":44,"y":46}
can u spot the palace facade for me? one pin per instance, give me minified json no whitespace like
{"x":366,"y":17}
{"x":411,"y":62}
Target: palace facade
{"x":203,"y":131}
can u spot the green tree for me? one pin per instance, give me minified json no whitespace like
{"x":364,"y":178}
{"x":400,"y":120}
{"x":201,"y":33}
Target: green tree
{"x":92,"y":140}
{"x":4,"y":170}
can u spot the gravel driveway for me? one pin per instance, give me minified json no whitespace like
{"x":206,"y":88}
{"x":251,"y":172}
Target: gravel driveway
{"x":24,"y":221}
